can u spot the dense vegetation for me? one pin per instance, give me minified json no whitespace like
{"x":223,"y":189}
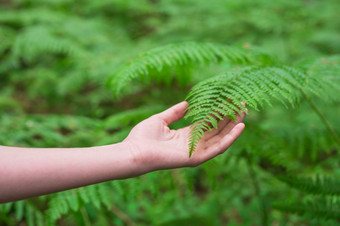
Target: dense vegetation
{"x":76,"y":74}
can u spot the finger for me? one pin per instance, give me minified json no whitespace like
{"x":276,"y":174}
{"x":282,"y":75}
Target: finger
{"x":244,"y":104}
{"x":226,"y":122}
{"x":173,"y":113}
{"x":221,"y":124}
{"x":240,"y":118}
{"x":220,"y":145}
{"x":222,"y":133}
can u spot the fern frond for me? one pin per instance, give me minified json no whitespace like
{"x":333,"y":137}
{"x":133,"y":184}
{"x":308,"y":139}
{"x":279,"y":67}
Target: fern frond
{"x":319,"y":209}
{"x":319,"y":185}
{"x":327,"y":71}
{"x":6,"y":38}
{"x":313,"y":140}
{"x":50,"y":129}
{"x":275,"y":162}
{"x":29,"y":16}
{"x":220,"y":96}
{"x":73,"y":200}
{"x":172,"y":56}
{"x":38,"y":40}
{"x":23,"y":210}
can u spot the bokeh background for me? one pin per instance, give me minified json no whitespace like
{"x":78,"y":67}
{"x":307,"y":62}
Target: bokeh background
{"x":56,"y":56}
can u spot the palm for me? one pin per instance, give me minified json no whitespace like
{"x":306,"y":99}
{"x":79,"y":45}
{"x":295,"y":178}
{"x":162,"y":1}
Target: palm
{"x":164,"y":148}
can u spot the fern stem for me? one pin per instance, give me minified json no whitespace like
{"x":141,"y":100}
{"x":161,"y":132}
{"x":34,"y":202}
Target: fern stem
{"x":257,"y":190}
{"x":124,"y":217}
{"x":85,"y":216}
{"x":322,"y":117}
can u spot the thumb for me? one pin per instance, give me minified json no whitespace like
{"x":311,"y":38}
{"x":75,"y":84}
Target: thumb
{"x":173,"y":113}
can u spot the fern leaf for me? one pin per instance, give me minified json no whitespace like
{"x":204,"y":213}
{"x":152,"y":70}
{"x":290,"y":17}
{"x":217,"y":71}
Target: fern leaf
{"x":320,"y":209}
{"x":255,"y":86}
{"x":94,"y":195}
{"x":33,"y":216}
{"x":58,"y":206}
{"x":19,"y":210}
{"x":327,"y":71}
{"x":72,"y":200}
{"x":104,"y":193}
{"x":6,"y":38}
{"x":29,"y":215}
{"x":172,"y":56}
{"x":37,"y":40}
{"x":319,"y":185}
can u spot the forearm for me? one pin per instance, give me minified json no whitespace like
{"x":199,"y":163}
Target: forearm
{"x":27,"y":172}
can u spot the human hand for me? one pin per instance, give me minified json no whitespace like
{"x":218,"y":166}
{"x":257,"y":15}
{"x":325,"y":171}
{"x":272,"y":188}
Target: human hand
{"x":155,"y":146}
{"x":150,"y":146}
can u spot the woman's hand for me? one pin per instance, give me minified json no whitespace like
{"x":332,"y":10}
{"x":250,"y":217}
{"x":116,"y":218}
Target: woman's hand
{"x":154,"y":146}
{"x":151,"y":145}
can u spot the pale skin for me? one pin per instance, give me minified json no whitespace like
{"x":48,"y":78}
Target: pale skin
{"x":150,"y":146}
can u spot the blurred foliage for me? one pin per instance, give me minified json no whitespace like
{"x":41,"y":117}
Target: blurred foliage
{"x":57,"y":55}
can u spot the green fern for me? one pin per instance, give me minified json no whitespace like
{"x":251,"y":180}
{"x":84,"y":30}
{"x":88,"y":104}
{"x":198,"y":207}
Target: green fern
{"x":24,"y":210}
{"x":37,"y":40}
{"x":319,"y":209}
{"x":210,"y":100}
{"x":26,"y":16}
{"x":220,"y":96}
{"x":47,"y":84}
{"x":74,"y":200}
{"x":319,"y":185}
{"x":327,"y":71}
{"x":313,"y":140}
{"x":6,"y":38}
{"x":172,"y":56}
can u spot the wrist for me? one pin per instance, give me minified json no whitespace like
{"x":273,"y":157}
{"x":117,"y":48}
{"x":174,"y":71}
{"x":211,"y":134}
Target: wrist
{"x":111,"y":162}
{"x":139,"y":159}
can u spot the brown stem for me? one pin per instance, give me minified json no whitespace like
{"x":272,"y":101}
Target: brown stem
{"x":85,"y":216}
{"x":127,"y":220}
{"x":322,"y":117}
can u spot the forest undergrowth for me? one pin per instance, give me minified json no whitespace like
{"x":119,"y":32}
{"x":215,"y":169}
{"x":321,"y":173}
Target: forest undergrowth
{"x":83,"y":74}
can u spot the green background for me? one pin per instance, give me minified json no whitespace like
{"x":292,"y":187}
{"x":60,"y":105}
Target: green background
{"x":56,"y":56}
